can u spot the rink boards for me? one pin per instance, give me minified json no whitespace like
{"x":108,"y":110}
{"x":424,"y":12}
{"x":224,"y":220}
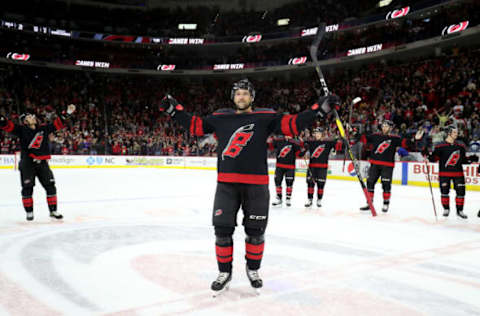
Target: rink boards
{"x":404,"y":173}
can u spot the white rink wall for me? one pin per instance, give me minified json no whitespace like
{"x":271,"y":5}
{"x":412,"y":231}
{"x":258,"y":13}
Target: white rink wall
{"x":405,"y":173}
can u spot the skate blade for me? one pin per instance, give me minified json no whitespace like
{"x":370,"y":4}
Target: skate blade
{"x":218,"y":293}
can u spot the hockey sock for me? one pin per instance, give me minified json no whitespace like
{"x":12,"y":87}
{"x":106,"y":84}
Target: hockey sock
{"x":459,"y":201}
{"x":224,"y":252}
{"x":279,"y":192}
{"x":386,"y":197}
{"x":27,"y":203}
{"x":319,"y":194}
{"x":310,"y":192}
{"x":289,"y":192}
{"x":445,"y":201}
{"x":52,"y":202}
{"x":254,"y":246}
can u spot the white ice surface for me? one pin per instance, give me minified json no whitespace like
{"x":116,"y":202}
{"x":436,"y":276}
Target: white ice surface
{"x":140,"y":242}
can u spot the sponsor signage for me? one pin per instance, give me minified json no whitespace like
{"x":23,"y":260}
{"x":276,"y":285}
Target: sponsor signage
{"x":395,"y":14}
{"x":455,"y":28}
{"x":252,"y":38}
{"x":364,"y":50}
{"x":186,"y":41}
{"x":17,"y":56}
{"x":92,"y":63}
{"x":297,"y":60}
{"x":228,"y":66}
{"x":166,"y":67}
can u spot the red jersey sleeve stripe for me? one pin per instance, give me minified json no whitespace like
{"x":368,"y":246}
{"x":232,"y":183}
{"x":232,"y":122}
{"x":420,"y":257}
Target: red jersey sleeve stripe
{"x":192,"y":126}
{"x":9,"y":127}
{"x":58,"y":123}
{"x":285,"y":125}
{"x":294,"y":125}
{"x":199,"y":127}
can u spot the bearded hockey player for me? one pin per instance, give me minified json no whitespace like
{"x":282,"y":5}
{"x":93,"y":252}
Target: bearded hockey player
{"x":382,"y":161}
{"x":451,"y":158}
{"x":242,"y":180}
{"x":34,"y":157}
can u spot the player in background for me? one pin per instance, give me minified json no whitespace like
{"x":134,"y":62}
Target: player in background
{"x":319,"y":150}
{"x":34,"y":156}
{"x":242,"y":168}
{"x":451,"y":157}
{"x":382,"y":161}
{"x":287,"y":150}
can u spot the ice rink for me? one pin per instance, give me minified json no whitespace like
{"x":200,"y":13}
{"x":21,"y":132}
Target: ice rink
{"x":139,"y":242}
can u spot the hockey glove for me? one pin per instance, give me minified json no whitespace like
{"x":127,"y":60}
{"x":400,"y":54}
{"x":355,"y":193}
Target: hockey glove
{"x":170,"y":105}
{"x":326,"y":104}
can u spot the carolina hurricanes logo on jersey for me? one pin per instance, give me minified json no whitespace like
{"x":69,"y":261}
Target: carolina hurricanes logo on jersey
{"x":36,"y":141}
{"x":453,"y":159}
{"x":284,"y":152}
{"x":238,"y":140}
{"x":383,"y":146}
{"x":318,"y":151}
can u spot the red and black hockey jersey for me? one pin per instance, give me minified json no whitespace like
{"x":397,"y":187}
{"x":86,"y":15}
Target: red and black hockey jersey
{"x":319,"y":152}
{"x":286,"y":151}
{"x":450,"y":158}
{"x":34,"y":142}
{"x":242,"y":138}
{"x":383,"y":148}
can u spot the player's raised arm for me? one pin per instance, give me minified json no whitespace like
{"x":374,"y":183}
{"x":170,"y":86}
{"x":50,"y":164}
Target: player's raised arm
{"x":197,"y":125}
{"x":292,"y":125}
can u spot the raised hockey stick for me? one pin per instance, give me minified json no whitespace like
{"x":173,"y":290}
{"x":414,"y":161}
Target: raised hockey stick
{"x":350,"y":110}
{"x":430,"y":185}
{"x":313,"y":54}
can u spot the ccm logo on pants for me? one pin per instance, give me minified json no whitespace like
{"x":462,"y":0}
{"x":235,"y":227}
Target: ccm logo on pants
{"x":257,"y":218}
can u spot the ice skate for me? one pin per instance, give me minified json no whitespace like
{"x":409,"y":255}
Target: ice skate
{"x":446,"y":212}
{"x":288,"y":202}
{"x":277,"y":202}
{"x":365,"y":208}
{"x":255,"y":280}
{"x":319,"y":203}
{"x":29,"y":216}
{"x":308,"y":203}
{"x":56,"y":215}
{"x":462,"y":214}
{"x":385,"y":208}
{"x":221,"y":284}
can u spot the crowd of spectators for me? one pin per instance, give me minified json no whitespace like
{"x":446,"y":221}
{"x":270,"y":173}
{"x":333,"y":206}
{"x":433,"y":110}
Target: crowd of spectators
{"x":56,"y":49}
{"x":118,"y":114}
{"x":163,"y":21}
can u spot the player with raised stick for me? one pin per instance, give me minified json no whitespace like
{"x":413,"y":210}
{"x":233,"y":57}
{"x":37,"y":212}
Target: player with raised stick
{"x":242,"y":169}
{"x":35,"y":153}
{"x":451,"y":157}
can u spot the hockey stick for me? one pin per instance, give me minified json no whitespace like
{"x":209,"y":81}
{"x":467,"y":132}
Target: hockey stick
{"x":313,"y":54}
{"x":431,"y":190}
{"x":350,"y":109}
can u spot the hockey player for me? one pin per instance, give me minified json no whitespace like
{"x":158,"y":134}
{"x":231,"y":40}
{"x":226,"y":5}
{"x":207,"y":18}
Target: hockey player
{"x":242,"y":169}
{"x":34,"y":157}
{"x":287,"y":150}
{"x":451,"y":156}
{"x":319,"y":150}
{"x":382,"y":162}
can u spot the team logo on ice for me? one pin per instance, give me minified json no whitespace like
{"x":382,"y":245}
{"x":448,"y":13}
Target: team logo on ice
{"x":285,"y":150}
{"x":453,"y":159}
{"x":383,"y":146}
{"x":238,"y":140}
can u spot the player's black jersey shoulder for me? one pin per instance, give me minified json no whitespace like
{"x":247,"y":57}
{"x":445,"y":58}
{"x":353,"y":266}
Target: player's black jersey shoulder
{"x":264,"y":110}
{"x":223,"y":111}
